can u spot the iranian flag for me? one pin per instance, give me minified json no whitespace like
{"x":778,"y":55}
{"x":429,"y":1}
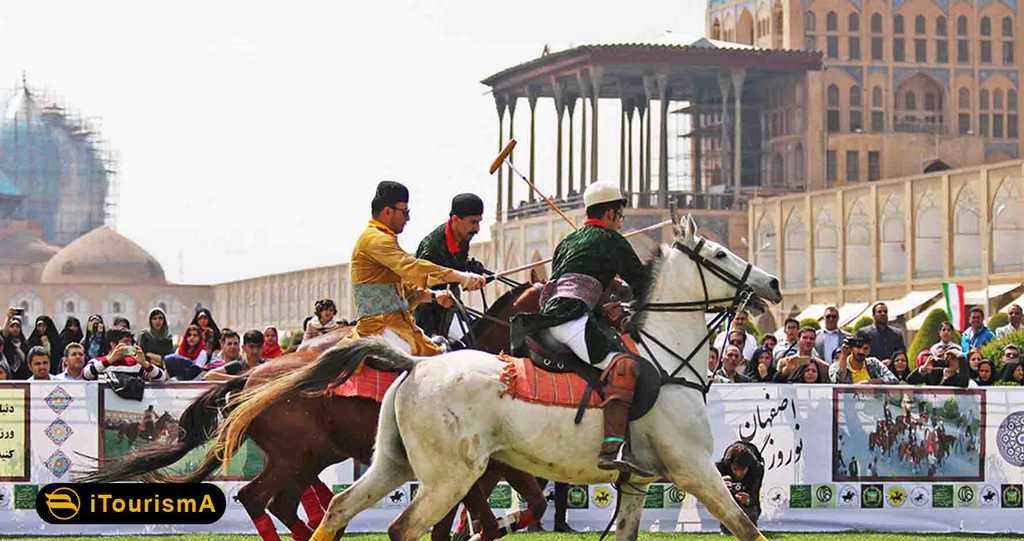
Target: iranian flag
{"x":954,"y":293}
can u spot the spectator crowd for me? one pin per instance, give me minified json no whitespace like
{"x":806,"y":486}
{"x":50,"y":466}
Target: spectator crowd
{"x":872,"y":355}
{"x":123,"y":357}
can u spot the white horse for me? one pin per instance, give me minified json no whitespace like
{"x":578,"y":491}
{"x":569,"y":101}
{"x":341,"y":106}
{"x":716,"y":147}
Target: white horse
{"x":444,"y":421}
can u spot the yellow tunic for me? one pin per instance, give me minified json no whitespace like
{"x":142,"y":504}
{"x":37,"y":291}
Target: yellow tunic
{"x":378,"y":259}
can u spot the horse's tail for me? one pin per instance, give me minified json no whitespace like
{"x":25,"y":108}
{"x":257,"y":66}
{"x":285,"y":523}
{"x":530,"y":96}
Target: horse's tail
{"x":195,"y":426}
{"x":334,"y":367}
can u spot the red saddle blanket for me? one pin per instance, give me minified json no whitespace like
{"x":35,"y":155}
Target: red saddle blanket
{"x":524,"y":381}
{"x":367,"y":383}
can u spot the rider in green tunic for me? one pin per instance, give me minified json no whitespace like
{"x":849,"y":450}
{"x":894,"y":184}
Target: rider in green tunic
{"x":448,"y":246}
{"x":585,"y":266}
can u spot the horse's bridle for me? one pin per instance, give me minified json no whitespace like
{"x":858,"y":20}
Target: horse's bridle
{"x":743,"y":294}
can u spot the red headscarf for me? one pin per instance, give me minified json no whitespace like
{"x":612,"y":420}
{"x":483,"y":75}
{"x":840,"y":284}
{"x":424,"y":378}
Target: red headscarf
{"x":271,"y":348}
{"x":191,"y":353}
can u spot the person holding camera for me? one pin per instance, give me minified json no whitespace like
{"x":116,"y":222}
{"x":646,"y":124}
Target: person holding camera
{"x":855,"y":367}
{"x":945,"y":369}
{"x":742,"y":469}
{"x":125,"y":368}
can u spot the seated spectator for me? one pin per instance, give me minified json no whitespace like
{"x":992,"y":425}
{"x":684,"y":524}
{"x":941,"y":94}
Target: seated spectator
{"x":945,"y":371}
{"x":253,"y":344}
{"x":39,"y":364}
{"x":804,"y":354}
{"x":747,"y":341}
{"x":323,"y":323}
{"x":884,"y":339}
{"x":713,"y":361}
{"x":72,"y":331}
{"x":1013,"y":374}
{"x":73,"y":362}
{"x":1016,"y":323}
{"x":122,"y":323}
{"x":95,"y":337}
{"x":156,"y":340}
{"x":831,"y":337}
{"x":124,"y":362}
{"x":986,"y":373}
{"x":974,"y":357}
{"x":742,"y":469}
{"x":230,"y":350}
{"x":46,"y":336}
{"x":769,"y":341}
{"x":762,"y":366}
{"x":807,"y":373}
{"x":854,"y":366}
{"x":976,"y":334}
{"x":900,"y":366}
{"x":191,"y":358}
{"x":938,"y":349}
{"x":208,"y":329}
{"x":787,"y":346}
{"x":729,"y":371}
{"x":13,"y":340}
{"x":271,"y":345}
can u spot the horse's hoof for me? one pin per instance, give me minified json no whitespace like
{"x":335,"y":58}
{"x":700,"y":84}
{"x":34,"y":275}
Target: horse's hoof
{"x":322,"y":534}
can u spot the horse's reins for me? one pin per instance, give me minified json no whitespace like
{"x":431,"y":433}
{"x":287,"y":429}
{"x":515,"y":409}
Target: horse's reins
{"x":743,"y":294}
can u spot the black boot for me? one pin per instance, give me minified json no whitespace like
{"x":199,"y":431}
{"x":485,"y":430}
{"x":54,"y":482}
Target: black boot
{"x":561,"y":508}
{"x":615,"y":454}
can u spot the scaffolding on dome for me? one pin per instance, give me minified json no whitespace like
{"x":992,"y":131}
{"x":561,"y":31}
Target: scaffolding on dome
{"x":55,"y":156}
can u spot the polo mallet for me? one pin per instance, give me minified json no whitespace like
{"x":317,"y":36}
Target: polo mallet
{"x":503,"y":158}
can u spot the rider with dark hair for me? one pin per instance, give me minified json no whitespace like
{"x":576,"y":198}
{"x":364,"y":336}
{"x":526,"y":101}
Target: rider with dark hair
{"x":448,"y":246}
{"x":742,"y":468}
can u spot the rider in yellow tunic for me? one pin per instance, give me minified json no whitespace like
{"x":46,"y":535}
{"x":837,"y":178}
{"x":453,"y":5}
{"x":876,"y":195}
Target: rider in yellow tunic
{"x":387,"y":282}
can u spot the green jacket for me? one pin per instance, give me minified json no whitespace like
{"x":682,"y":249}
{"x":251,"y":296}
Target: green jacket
{"x":432,"y":317}
{"x":602,"y":254}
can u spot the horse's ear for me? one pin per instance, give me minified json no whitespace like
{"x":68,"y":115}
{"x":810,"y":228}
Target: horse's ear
{"x":534,"y":277}
{"x":686,"y":230}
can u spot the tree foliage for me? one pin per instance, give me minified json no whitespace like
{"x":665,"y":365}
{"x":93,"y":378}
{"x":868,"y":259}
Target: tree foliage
{"x":928,"y":334}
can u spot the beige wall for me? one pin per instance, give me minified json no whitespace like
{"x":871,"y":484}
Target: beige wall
{"x":883,"y":239}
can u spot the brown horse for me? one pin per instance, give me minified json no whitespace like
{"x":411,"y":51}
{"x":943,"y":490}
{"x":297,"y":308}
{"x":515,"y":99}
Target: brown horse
{"x":303,"y":436}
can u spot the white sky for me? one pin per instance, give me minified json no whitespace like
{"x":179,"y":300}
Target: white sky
{"x":251,"y":137}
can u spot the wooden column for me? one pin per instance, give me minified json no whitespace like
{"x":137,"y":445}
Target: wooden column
{"x":664,"y":95}
{"x":511,"y":100}
{"x":738,"y":76}
{"x":571,"y":106}
{"x":531,"y":97}
{"x":629,"y":151}
{"x":559,"y":96}
{"x":641,"y":106}
{"x":499,"y":103}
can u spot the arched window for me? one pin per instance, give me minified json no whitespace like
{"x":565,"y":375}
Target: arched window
{"x":162,"y":306}
{"x":798,"y":165}
{"x":1007,"y":27}
{"x":765,"y":254}
{"x":831,"y":22}
{"x":855,"y":96}
{"x":778,"y":170}
{"x":826,"y":247}
{"x":910,"y":101}
{"x":853,"y":23}
{"x":1011,"y":100}
{"x":858,"y":244}
{"x":833,"y":96}
{"x":795,"y":275}
{"x":961,"y":26}
{"x":997,"y":100}
{"x":810,"y":22}
{"x":966,"y":234}
{"x":716,"y":29}
{"x":117,"y":308}
{"x":919,"y":24}
{"x":897,"y":24}
{"x":964,"y":98}
{"x":1008,"y":226}
{"x":893,"y":241}
{"x":940,"y":26}
{"x":69,"y":307}
{"x":928,"y":238}
{"x":876,"y":98}
{"x":876,"y":23}
{"x":929,"y":101}
{"x":983,"y":100}
{"x":986,"y":26}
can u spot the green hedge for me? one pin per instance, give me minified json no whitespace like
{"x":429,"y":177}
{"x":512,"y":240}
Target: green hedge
{"x":864,"y":321}
{"x":994,"y":349}
{"x":999,"y":319}
{"x":928,"y":334}
{"x":810,"y":322}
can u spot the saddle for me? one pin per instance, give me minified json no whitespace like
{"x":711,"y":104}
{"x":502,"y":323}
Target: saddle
{"x":549,"y":355}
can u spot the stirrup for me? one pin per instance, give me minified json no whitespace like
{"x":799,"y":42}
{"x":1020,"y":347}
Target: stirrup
{"x":623,"y":463}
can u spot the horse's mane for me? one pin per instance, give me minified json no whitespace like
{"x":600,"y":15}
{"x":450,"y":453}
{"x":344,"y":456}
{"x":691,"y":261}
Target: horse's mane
{"x":500,"y":305}
{"x":652,"y":272}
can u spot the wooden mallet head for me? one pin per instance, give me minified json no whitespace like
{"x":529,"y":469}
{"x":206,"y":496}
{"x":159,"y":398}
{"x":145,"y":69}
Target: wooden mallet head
{"x":502,"y":155}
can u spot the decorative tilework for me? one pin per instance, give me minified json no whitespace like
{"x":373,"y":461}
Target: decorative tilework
{"x":59,"y":432}
{"x":58,"y":400}
{"x":58,"y":463}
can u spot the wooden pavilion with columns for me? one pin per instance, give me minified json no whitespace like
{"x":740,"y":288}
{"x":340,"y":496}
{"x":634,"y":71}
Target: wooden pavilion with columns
{"x":720,"y":83}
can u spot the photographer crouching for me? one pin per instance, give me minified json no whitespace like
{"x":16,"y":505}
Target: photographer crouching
{"x":742,"y":469}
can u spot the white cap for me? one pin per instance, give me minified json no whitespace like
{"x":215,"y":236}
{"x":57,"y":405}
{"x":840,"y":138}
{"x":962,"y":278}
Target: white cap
{"x":602,"y":192}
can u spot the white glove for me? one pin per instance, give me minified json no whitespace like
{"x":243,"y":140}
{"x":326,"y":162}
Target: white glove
{"x":470,"y":281}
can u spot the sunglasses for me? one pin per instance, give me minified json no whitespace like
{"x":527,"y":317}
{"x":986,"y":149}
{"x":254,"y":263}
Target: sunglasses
{"x":404,"y":211}
{"x":831,"y":317}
